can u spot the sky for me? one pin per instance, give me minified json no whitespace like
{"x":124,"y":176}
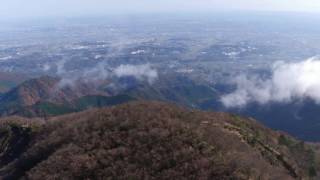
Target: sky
{"x":44,"y":8}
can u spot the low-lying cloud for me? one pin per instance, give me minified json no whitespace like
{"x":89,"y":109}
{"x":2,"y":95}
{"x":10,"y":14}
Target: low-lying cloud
{"x":288,"y":82}
{"x":102,"y":71}
{"x":140,"y":72}
{"x":89,"y":75}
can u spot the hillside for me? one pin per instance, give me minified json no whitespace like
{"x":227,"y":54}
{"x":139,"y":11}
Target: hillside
{"x":151,"y":140}
{"x":10,"y":80}
{"x":45,"y":88}
{"x":43,"y":97}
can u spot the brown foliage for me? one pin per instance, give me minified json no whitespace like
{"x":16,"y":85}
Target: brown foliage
{"x":145,"y":140}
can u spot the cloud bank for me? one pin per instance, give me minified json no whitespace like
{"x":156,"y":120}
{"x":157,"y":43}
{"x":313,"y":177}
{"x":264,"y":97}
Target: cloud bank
{"x":288,"y":82}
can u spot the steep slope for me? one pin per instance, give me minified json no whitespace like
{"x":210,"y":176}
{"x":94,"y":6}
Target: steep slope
{"x":30,"y":92}
{"x":150,"y":140}
{"x":45,"y":88}
{"x":10,"y":80}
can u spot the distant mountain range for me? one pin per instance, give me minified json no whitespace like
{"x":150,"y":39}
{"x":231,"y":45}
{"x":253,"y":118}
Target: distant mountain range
{"x":150,"y":140}
{"x":44,"y":96}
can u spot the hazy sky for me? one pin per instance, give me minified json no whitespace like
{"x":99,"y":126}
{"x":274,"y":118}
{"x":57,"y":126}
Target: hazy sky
{"x":41,"y":8}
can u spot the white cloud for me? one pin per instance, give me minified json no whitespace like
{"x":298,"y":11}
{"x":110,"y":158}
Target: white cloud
{"x":141,"y":72}
{"x":289,"y":81}
{"x":101,"y":72}
{"x":89,"y":75}
{"x":46,"y":67}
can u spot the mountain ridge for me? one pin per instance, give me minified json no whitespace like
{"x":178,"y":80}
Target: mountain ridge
{"x":145,"y":139}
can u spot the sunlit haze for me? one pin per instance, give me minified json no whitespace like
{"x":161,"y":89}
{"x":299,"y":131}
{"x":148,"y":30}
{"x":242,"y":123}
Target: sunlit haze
{"x":53,"y":8}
